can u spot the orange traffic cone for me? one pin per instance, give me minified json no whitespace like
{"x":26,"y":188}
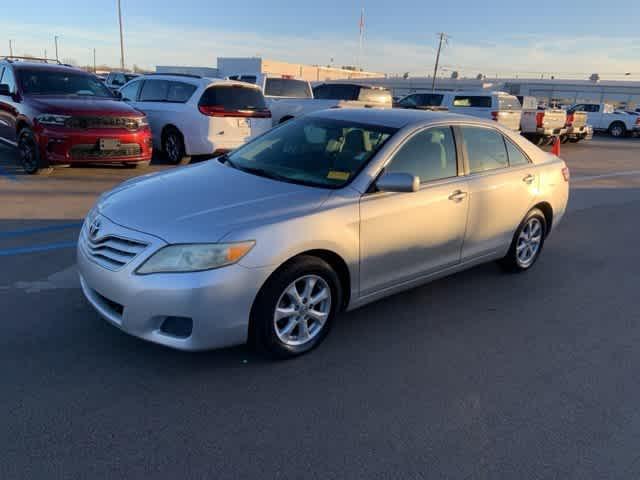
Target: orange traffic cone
{"x":556,"y":147}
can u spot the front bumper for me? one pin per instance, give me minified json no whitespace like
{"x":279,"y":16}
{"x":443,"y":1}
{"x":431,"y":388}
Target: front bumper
{"x":67,"y":145}
{"x":217,"y":301}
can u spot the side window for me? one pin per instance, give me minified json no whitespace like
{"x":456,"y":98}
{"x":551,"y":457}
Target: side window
{"x":119,"y":79}
{"x":429,"y":154}
{"x":321,"y":92}
{"x":342,"y":92}
{"x":154,"y":91}
{"x":472,"y":101}
{"x":1,"y":72}
{"x":410,"y":101}
{"x":516,"y":157}
{"x":9,"y":79}
{"x":485,"y":149}
{"x":109,"y":79}
{"x":130,"y":92}
{"x":180,"y":92}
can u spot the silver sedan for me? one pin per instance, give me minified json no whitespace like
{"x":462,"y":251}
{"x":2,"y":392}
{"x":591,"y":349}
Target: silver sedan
{"x":322,"y":214}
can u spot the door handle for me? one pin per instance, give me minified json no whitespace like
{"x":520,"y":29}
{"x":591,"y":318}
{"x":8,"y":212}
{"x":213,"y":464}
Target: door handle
{"x":458,"y":196}
{"x":529,"y":179}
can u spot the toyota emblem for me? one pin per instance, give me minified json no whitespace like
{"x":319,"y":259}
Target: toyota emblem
{"x":94,"y":228}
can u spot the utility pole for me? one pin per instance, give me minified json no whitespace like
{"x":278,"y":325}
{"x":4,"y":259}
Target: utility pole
{"x":94,"y":61}
{"x":11,"y":48}
{"x":121,"y":40}
{"x":443,"y":38}
{"x":55,"y":39}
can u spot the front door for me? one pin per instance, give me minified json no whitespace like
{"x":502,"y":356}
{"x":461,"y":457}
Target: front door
{"x":406,"y":235}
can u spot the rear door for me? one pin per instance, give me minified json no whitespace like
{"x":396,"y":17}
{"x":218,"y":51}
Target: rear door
{"x":237,"y":113}
{"x":502,"y":188}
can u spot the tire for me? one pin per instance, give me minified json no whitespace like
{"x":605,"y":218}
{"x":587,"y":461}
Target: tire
{"x":540,"y":141}
{"x":285,"y":119}
{"x":564,"y":139}
{"x":525,"y":250}
{"x":575,"y":140}
{"x":283,"y":337}
{"x":617,"y":130}
{"x":29,"y":154}
{"x":173,"y":147}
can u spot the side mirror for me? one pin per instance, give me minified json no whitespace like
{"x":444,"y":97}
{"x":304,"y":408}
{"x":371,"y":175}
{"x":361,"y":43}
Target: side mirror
{"x":398,"y":182}
{"x":117,"y":94}
{"x":4,"y":90}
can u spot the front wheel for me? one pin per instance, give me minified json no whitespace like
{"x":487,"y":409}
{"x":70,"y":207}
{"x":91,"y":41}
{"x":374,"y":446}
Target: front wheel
{"x":29,"y":154}
{"x":527,"y":243}
{"x":295,"y":309}
{"x":564,"y":139}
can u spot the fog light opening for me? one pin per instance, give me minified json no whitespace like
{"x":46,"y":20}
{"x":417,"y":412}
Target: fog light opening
{"x":180,"y":327}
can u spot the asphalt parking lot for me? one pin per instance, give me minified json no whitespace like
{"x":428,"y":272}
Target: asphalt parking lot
{"x":479,"y":375}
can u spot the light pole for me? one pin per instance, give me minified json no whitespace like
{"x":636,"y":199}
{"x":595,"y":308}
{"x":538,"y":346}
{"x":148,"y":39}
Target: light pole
{"x":121,"y":39}
{"x":94,"y":61}
{"x":11,"y":48}
{"x":443,"y":38}
{"x":55,"y":39}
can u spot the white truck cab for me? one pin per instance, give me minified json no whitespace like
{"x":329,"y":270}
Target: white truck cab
{"x":603,"y":117}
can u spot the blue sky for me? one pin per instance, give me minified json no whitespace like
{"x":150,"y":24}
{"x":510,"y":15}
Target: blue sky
{"x":569,"y":38}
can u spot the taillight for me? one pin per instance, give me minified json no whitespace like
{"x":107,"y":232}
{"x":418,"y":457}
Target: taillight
{"x":494,"y":116}
{"x":540,"y":119}
{"x":566,"y":174}
{"x":638,"y":120}
{"x":569,"y":119}
{"x":219,"y":111}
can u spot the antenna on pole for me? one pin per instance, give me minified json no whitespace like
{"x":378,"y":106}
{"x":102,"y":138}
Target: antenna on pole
{"x":443,"y":39}
{"x":121,"y":39}
{"x":361,"y":37}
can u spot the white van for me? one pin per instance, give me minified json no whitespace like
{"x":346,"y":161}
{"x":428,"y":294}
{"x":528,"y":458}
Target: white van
{"x":191,"y":115}
{"x":501,"y":107}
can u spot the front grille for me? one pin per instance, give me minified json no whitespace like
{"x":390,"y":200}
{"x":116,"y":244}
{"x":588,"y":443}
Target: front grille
{"x":126,"y":123}
{"x":86,"y":151}
{"x":110,"y":252}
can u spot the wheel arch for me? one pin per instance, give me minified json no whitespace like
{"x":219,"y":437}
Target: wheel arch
{"x":547,"y":210}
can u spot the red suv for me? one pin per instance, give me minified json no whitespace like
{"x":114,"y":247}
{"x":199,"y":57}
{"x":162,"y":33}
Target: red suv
{"x":57,"y":114}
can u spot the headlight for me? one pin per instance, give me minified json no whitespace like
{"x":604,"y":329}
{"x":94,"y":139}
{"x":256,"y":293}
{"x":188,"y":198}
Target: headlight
{"x":143,"y":122}
{"x":52,"y":119}
{"x":195,"y":257}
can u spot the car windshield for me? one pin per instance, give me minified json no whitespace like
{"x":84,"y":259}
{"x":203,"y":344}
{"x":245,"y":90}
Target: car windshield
{"x":312,"y":151}
{"x":48,"y":82}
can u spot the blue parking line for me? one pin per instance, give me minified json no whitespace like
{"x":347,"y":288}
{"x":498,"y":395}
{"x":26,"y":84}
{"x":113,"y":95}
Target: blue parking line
{"x":33,"y":231}
{"x":10,"y":176}
{"x":7,"y":252}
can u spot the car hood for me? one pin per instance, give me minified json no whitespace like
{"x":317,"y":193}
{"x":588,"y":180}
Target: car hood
{"x":81,"y":105}
{"x":204,"y":202}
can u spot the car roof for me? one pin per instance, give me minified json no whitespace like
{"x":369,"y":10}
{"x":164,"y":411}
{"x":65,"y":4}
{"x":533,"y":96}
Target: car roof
{"x":357,"y":84}
{"x":393,"y":117}
{"x":22,"y":65}
{"x":474,"y":92}
{"x":196,"y":80}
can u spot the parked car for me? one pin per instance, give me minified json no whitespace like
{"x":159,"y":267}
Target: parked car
{"x":115,"y":80}
{"x":56,"y":114}
{"x":421,"y":101}
{"x":324,"y":213}
{"x":577,"y":127}
{"x":191,"y":115}
{"x":541,"y":125}
{"x":286,"y":106}
{"x":498,"y":106}
{"x":602,"y":117}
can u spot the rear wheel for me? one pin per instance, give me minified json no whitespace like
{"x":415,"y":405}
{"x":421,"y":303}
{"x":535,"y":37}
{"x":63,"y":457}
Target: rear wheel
{"x":527,"y":243}
{"x":295,"y":309}
{"x":617,"y":129}
{"x":564,"y":139}
{"x":575,"y":140}
{"x":29,"y":154}
{"x":173,"y":147}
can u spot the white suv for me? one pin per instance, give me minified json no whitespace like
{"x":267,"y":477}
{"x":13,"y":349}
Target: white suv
{"x":191,"y":115}
{"x":498,"y":106}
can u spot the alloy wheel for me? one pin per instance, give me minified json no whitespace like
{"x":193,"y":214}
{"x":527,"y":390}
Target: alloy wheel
{"x":529,"y":241}
{"x":172,"y":148}
{"x":302,"y":310}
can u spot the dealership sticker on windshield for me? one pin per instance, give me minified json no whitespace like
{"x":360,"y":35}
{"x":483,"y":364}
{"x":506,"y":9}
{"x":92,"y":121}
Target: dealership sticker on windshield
{"x":337,"y":175}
